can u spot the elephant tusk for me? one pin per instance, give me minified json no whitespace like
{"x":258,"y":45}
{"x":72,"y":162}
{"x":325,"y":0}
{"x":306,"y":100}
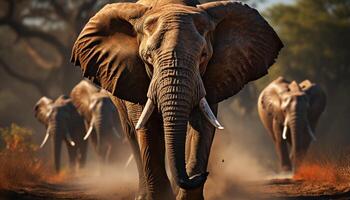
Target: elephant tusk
{"x":285,"y":128}
{"x":49,"y":113}
{"x":116,"y":133}
{"x":146,"y":113}
{"x":129,"y":160}
{"x":88,"y":133}
{"x":204,"y":107}
{"x":69,"y":139}
{"x":45,"y":140}
{"x":312,"y":135}
{"x":284,"y":134}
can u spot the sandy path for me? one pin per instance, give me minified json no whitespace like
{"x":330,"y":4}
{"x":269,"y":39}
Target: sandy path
{"x":273,"y":189}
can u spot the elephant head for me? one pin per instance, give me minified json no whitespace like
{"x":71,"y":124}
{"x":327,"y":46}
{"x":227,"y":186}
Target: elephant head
{"x":172,"y":57}
{"x":98,"y":110}
{"x":55,"y":115}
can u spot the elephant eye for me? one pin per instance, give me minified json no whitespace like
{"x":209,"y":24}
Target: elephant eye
{"x":148,"y":57}
{"x":203,"y":57}
{"x":150,"y":25}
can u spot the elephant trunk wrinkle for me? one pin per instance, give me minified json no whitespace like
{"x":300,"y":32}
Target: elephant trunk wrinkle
{"x":177,"y":95}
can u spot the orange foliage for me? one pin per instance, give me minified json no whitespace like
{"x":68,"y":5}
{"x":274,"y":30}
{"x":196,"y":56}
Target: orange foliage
{"x":18,"y":162}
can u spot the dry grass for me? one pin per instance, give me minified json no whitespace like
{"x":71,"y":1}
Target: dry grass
{"x":19,"y":164}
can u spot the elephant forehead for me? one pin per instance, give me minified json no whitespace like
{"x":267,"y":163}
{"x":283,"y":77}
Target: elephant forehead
{"x":45,"y":100}
{"x":175,"y":13}
{"x":297,"y":94}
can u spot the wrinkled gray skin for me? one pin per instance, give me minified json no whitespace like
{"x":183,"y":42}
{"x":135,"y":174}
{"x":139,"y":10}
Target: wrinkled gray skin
{"x":101,"y":117}
{"x":175,"y":55}
{"x":63,"y":124}
{"x":301,"y":104}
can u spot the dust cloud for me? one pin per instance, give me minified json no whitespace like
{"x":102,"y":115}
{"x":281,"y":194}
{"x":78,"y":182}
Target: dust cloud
{"x":242,"y":157}
{"x":109,"y":182}
{"x":242,"y":154}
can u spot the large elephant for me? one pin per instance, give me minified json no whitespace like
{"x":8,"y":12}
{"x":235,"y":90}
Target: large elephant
{"x":63,"y":123}
{"x":101,"y":118}
{"x":290,"y":111}
{"x":169,"y":63}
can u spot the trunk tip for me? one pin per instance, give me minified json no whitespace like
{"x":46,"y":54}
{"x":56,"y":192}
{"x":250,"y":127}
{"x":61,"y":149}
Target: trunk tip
{"x":202,"y":174}
{"x":194,"y":181}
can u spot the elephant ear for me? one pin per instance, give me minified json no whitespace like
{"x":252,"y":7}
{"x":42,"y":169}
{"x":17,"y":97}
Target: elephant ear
{"x":43,"y":109}
{"x":244,"y":47}
{"x":107,"y":52}
{"x":317,"y":97}
{"x":271,"y":102}
{"x":81,"y":96}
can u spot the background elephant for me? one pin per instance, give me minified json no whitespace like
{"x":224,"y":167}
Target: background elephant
{"x":63,"y":123}
{"x":101,"y":118}
{"x":170,"y":63}
{"x":290,"y":111}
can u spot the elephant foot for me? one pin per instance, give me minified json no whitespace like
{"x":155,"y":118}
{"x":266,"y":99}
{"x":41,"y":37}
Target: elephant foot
{"x":195,"y":194}
{"x":286,"y":169}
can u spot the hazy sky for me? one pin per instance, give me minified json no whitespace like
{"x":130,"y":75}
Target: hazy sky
{"x":269,"y":2}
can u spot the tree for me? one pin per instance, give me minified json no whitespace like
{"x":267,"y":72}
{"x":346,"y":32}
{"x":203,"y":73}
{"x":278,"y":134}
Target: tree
{"x":44,"y":33}
{"x":36,"y":41}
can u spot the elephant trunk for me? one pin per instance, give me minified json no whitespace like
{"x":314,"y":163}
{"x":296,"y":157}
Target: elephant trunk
{"x":97,"y":125}
{"x":300,"y":139}
{"x":58,"y":137}
{"x":178,"y":90}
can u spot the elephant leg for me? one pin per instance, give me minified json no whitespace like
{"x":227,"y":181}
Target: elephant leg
{"x":151,"y":140}
{"x":198,"y":144}
{"x":281,"y":147}
{"x":72,"y":155}
{"x":115,"y":154}
{"x":104,"y":151}
{"x":103,"y":154}
{"x":130,"y":134}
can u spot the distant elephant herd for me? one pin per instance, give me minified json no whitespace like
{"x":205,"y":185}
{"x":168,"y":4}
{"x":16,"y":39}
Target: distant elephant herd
{"x":164,"y":66}
{"x":88,"y":112}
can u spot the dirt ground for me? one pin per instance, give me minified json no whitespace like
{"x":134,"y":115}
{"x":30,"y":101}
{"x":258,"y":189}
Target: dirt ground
{"x":272,"y":189}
